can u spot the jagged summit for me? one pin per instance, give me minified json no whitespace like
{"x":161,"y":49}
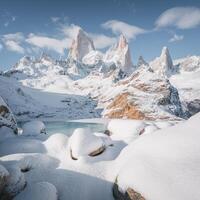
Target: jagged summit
{"x":120,"y":55}
{"x":81,"y":46}
{"x":141,"y":62}
{"x":163,"y":65}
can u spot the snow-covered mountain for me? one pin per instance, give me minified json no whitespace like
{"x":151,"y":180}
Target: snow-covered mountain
{"x":90,"y":83}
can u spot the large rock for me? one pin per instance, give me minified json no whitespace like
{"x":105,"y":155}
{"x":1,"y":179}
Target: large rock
{"x":6,"y":117}
{"x":83,"y":143}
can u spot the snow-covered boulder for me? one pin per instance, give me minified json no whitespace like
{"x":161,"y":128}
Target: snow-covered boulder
{"x":15,"y":182}
{"x":56,"y":143}
{"x":165,"y":164}
{"x":126,"y":130}
{"x":83,"y":142}
{"x":33,"y":128}
{"x":38,"y":191}
{"x":3,"y":176}
{"x":6,"y":117}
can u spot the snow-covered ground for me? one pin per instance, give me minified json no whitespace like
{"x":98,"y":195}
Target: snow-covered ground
{"x":157,"y":161}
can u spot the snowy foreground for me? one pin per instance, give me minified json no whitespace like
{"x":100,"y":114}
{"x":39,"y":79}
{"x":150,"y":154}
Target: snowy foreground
{"x":159,"y":160}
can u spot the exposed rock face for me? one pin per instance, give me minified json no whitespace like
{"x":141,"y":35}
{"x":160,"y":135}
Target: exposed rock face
{"x":130,"y":194}
{"x":121,"y":107}
{"x":6,"y":117}
{"x":81,"y":46}
{"x":120,"y":55}
{"x":163,"y":65}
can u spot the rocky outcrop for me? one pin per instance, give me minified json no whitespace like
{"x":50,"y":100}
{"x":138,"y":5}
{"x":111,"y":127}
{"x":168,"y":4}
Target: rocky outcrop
{"x":6,"y":117}
{"x":130,"y":194}
{"x":120,"y":55}
{"x":145,"y":95}
{"x":81,"y":46}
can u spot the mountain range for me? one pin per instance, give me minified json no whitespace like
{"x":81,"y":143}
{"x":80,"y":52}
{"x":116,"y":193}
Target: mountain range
{"x":89,"y":83}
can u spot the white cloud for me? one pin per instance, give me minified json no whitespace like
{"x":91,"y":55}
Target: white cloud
{"x":55,"y":19}
{"x":119,"y":27}
{"x":180,"y":17}
{"x":14,"y":36}
{"x":14,"y":46}
{"x":70,"y":30}
{"x":176,"y":38}
{"x":13,"y":42}
{"x":102,"y":41}
{"x":1,"y":46}
{"x":57,"y":45}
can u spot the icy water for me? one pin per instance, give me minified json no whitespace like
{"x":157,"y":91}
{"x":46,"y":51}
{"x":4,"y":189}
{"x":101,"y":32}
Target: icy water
{"x":67,"y":128}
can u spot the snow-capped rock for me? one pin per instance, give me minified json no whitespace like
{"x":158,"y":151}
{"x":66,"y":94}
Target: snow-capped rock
{"x":33,"y":128}
{"x":163,"y":65}
{"x":6,"y":118}
{"x":120,"y":55}
{"x":81,"y":46}
{"x":83,"y":142}
{"x":93,"y":58}
{"x":38,"y":191}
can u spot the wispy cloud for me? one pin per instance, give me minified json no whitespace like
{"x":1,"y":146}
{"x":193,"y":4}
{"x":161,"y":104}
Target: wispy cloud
{"x":119,"y":27}
{"x":13,"y":41}
{"x":102,"y":41}
{"x":176,"y":38}
{"x":57,"y":45}
{"x":179,"y":17}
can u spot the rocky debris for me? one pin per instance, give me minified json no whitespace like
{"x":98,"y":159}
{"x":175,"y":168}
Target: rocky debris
{"x":120,"y":55}
{"x":6,"y":117}
{"x":130,"y":194}
{"x":81,"y":46}
{"x":163,"y":65}
{"x":33,"y":128}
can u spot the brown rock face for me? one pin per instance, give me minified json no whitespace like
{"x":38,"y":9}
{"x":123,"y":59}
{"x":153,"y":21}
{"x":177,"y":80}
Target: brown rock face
{"x":120,"y":107}
{"x":130,"y":194}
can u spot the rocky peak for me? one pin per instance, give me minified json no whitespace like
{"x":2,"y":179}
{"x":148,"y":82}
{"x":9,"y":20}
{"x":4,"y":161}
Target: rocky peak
{"x":163,"y":65}
{"x":120,"y":55}
{"x":141,"y":61}
{"x":81,"y":46}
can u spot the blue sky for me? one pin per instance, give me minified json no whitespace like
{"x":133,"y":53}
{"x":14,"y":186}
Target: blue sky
{"x":31,"y":27}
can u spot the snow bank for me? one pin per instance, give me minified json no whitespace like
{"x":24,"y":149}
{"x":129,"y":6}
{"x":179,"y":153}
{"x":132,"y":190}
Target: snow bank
{"x":33,"y":128}
{"x":56,"y":143}
{"x":126,"y":130}
{"x":38,"y":191}
{"x":83,"y":142}
{"x":165,"y":164}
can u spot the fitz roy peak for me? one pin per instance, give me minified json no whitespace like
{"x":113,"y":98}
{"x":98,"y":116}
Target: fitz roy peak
{"x":81,"y":46}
